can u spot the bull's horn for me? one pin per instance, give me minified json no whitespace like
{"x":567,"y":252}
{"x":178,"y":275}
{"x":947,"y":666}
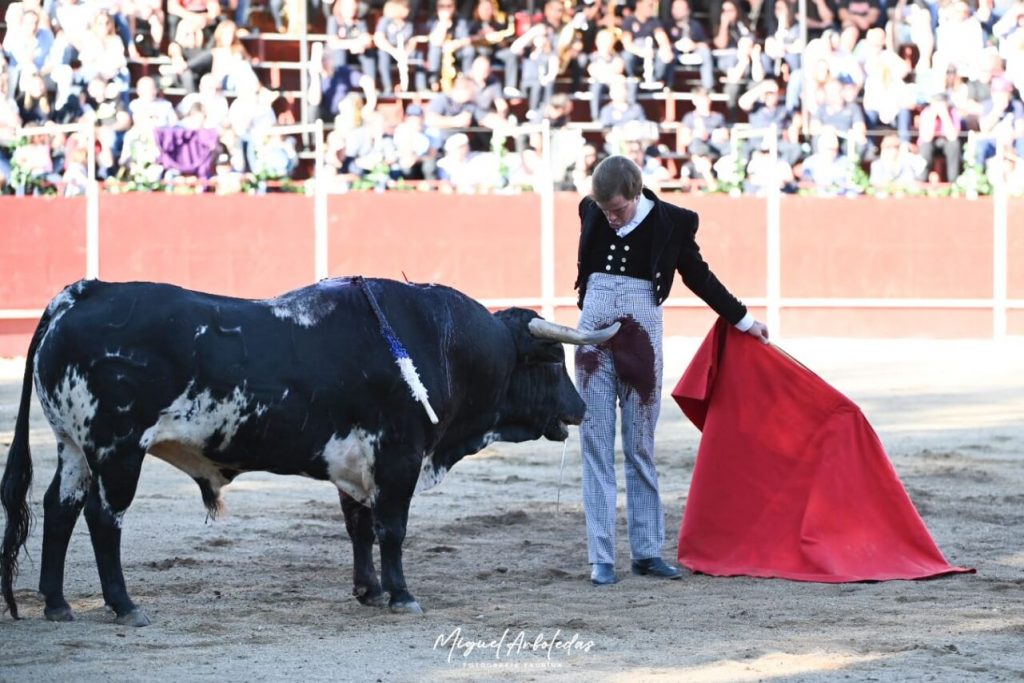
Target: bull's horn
{"x":544,"y":329}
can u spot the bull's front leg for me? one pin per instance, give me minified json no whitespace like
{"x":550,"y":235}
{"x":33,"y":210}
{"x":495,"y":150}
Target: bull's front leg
{"x":390,"y":516}
{"x":359,"y":522}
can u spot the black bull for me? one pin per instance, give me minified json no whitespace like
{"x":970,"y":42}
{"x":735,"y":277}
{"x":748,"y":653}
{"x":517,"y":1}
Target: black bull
{"x":306,"y":383}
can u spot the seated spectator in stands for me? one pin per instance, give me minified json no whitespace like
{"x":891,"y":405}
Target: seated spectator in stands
{"x":959,"y":38}
{"x":101,"y":51}
{"x":727,"y":29}
{"x":897,"y":170}
{"x":27,"y":44}
{"x":251,"y":111}
{"x":329,"y":85}
{"x":453,"y":110}
{"x":230,"y":62}
{"x":395,"y":43}
{"x":75,"y":178}
{"x":888,"y":99}
{"x":149,"y":107}
{"x":464,"y":170}
{"x":35,"y":159}
{"x":620,"y":109}
{"x":704,"y":130}
{"x":828,"y":168}
{"x":491,"y":106}
{"x":10,"y":122}
{"x":821,"y":17}
{"x":860,"y":14}
{"x":783,"y":46}
{"x":748,"y":68}
{"x":555,"y":25}
{"x":763,"y":104}
{"x":145,"y":19}
{"x":489,"y":37}
{"x":939,"y":130}
{"x":350,"y":139}
{"x":199,"y":15}
{"x":911,"y":25}
{"x":34,"y":103}
{"x":349,"y":39}
{"x":585,"y":24}
{"x":275,"y":157}
{"x":646,"y":47}
{"x":792,"y":145}
{"x":583,"y":168}
{"x":415,"y":156}
{"x":1002,"y":118}
{"x":106,"y":109}
{"x":651,"y":168}
{"x":762,"y":174}
{"x":215,"y":104}
{"x":446,"y":33}
{"x":604,"y":66}
{"x":837,"y":113}
{"x":690,"y":42}
{"x":540,"y":68}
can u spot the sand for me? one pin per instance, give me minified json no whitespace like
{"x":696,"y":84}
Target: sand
{"x":496,"y":555}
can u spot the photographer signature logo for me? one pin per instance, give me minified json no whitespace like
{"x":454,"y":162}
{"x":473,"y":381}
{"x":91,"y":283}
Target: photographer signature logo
{"x":511,"y":646}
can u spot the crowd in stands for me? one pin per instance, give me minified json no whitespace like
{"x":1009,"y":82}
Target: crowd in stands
{"x":862,"y":96}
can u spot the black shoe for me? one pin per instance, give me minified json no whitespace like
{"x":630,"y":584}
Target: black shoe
{"x":603,"y":574}
{"x":655,"y":566}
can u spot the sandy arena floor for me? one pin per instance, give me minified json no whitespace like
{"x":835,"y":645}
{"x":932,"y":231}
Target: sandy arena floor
{"x":498,"y":551}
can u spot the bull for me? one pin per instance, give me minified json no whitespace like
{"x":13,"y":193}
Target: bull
{"x":307,"y":383}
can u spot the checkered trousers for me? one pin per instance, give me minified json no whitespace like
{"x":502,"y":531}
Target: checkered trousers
{"x":609,"y":298}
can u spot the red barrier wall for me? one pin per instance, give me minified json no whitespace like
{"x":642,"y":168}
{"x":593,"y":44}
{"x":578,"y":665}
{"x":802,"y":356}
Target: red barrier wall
{"x":489,"y":246}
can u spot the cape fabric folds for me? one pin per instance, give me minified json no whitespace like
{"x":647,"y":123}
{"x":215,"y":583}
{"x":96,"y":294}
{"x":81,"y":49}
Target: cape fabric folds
{"x":791,"y":481}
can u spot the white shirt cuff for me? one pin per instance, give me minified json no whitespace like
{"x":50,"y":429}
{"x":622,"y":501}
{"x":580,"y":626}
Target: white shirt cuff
{"x":745,"y":323}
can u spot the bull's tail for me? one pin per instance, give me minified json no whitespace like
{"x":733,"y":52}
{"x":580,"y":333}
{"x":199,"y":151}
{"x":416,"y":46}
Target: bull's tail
{"x":17,"y":479}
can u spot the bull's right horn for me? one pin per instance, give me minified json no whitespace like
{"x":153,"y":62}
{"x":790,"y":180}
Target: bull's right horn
{"x":544,"y":329}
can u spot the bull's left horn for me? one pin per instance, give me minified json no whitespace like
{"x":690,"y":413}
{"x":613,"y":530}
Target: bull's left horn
{"x":544,"y":329}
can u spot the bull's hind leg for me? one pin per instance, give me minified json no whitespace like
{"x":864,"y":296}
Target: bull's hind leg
{"x":61,"y":506}
{"x":359,"y":522}
{"x":390,"y":517}
{"x":112,"y":491}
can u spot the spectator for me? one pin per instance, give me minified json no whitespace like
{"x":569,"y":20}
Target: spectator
{"x":896,"y":170}
{"x":1002,"y":119}
{"x":489,"y":38}
{"x":748,"y":67}
{"x":583,"y":168}
{"x":859,"y":14}
{"x":150,"y":108}
{"x":703,"y":131}
{"x":215,"y":104}
{"x":449,"y":112}
{"x":106,"y":109}
{"x":350,"y":139}
{"x":939,"y":130}
{"x":540,"y":69}
{"x":329,"y":86}
{"x":729,"y":27}
{"x":349,"y":40}
{"x":448,"y":44}
{"x":230,"y":63}
{"x":690,"y":42}
{"x":764,"y":173}
{"x":911,"y":25}
{"x":275,"y":157}
{"x":466,"y":171}
{"x":620,"y":109}
{"x":783,"y":46}
{"x":652,"y":170}
{"x":251,"y":111}
{"x":101,"y":51}
{"x":145,"y":20}
{"x":34,"y":103}
{"x":560,"y":36}
{"x":490,"y":103}
{"x":28,"y":45}
{"x":585,"y":25}
{"x":647,"y":50}
{"x":839,"y":114}
{"x":888,"y":98}
{"x":959,"y":39}
{"x":413,"y":150}
{"x":764,"y":107}
{"x":605,"y":66}
{"x":198,"y":16}
{"x":828,"y":168}
{"x":395,"y":43}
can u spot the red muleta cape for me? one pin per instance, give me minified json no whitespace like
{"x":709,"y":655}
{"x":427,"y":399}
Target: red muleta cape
{"x":791,"y":481}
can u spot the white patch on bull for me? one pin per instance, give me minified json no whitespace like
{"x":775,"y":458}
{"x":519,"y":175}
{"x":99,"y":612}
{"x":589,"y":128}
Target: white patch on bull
{"x":200,"y":330}
{"x":350,"y":462}
{"x":284,"y":394}
{"x":430,"y":476}
{"x":193,"y":419}
{"x":61,"y":303}
{"x":118,"y":515}
{"x":75,"y":475}
{"x":69,"y":407}
{"x":305,"y":307}
{"x":489,"y":438}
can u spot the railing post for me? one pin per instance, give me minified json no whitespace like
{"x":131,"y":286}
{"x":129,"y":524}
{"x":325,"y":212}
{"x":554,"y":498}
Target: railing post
{"x":547,"y":226}
{"x":1000,"y":249}
{"x":92,"y":209}
{"x":773,"y":239}
{"x":320,"y":266}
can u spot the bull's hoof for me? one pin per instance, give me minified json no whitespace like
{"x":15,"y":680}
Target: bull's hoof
{"x":134,"y":618}
{"x":59,"y":614}
{"x":411,"y":607}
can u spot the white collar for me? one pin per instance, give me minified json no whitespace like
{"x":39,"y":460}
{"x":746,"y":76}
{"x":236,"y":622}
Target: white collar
{"x":643,"y":208}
